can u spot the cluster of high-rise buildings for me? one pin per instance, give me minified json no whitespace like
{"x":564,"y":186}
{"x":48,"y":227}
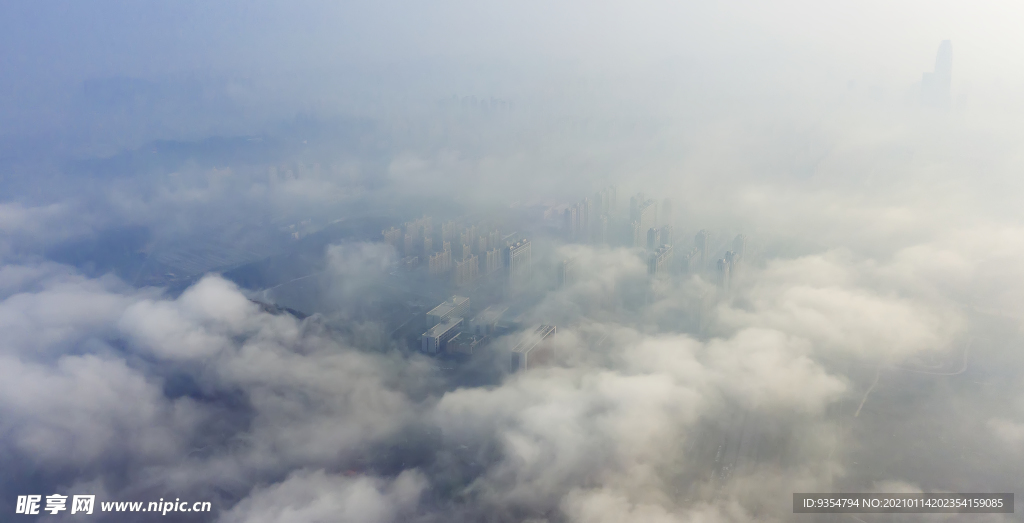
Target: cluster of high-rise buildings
{"x":462,"y":252}
{"x":651,"y":230}
{"x":643,"y":216}
{"x":699,"y":258}
{"x":587,"y":221}
{"x":729,"y":265}
{"x":649,"y":227}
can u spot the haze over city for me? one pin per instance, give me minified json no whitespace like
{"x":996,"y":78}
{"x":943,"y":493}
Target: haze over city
{"x":464,"y":261}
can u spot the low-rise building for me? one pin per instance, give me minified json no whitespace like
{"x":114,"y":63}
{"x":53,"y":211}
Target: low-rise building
{"x":486,"y":321}
{"x":531,"y":351}
{"x":435,"y":340}
{"x":450,"y":308}
{"x":466,"y":344}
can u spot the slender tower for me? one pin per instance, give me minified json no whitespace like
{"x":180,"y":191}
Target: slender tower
{"x":936,"y":86}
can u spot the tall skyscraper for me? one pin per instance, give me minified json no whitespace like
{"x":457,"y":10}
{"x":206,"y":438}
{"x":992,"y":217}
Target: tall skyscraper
{"x":419,"y":228}
{"x":723,"y":273}
{"x":604,"y":201}
{"x":586,"y":220}
{"x":448,"y":231}
{"x":427,"y":228}
{"x":494,"y":239}
{"x":578,"y":221}
{"x":739,"y":246}
{"x":644,"y":217}
{"x":635,"y":234}
{"x":666,"y":213}
{"x":653,"y":238}
{"x":468,"y":235}
{"x":416,"y":232}
{"x":441,"y":262}
{"x":634,"y":206}
{"x":492,"y":261}
{"x":567,"y":273}
{"x":727,"y":269}
{"x":599,"y":214}
{"x":703,"y":243}
{"x":394,"y":238}
{"x":649,"y":214}
{"x":519,"y":265}
{"x":666,"y":235}
{"x":572,"y":222}
{"x":599,"y":203}
{"x":467,"y":270}
{"x":691,"y":261}
{"x":409,"y":245}
{"x":659,"y":261}
{"x":936,"y":86}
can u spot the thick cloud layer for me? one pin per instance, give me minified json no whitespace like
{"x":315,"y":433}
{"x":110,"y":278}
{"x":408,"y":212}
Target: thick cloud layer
{"x":207,"y":396}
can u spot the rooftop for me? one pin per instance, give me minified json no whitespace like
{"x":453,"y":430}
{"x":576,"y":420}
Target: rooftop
{"x":490,"y":315}
{"x":443,"y":327}
{"x":533,"y":338}
{"x":448,"y":305}
{"x":466,"y":343}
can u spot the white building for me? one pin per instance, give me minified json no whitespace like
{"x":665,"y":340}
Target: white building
{"x":435,"y":340}
{"x":456,"y":306}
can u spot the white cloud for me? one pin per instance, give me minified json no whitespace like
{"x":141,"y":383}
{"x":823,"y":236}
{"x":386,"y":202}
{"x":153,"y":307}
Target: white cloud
{"x":316,"y":496}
